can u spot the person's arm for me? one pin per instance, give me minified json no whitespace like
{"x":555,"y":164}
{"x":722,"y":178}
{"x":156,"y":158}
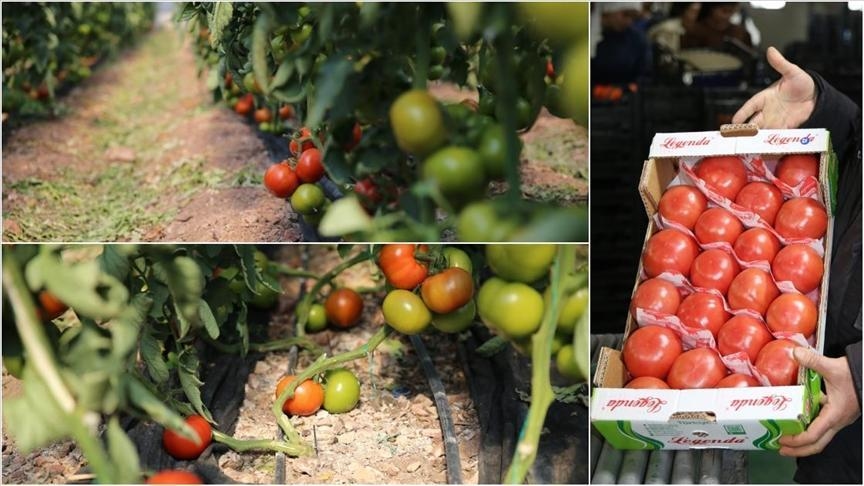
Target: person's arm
{"x":836,"y":113}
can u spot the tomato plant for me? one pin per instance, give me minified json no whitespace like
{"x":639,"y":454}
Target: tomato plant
{"x":724,"y":174}
{"x":308,"y":396}
{"x":186,"y":449}
{"x":669,"y":250}
{"x":800,"y":265}
{"x":716,"y":225}
{"x":802,"y":217}
{"x":752,"y":289}
{"x":447,"y":291}
{"x":792,"y":313}
{"x":697,"y":368}
{"x":762,"y":198}
{"x":776,"y":362}
{"x":743,"y":333}
{"x":650,"y":351}
{"x":341,"y":392}
{"x":656,"y":295}
{"x":795,"y":168}
{"x":683,"y":205}
{"x":405,"y":312}
{"x":714,"y":269}
{"x":399,"y":266}
{"x":343,"y":307}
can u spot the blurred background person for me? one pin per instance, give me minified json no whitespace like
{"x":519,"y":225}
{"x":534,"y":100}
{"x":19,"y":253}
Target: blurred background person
{"x":714,"y":26}
{"x":668,"y":33}
{"x":623,"y":53}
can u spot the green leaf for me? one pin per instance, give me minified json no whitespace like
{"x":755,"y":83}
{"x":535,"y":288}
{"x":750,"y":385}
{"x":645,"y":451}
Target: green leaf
{"x":218,"y":19}
{"x":568,"y":224}
{"x":492,"y":347}
{"x":126,"y":327}
{"x":114,"y":261}
{"x":332,"y":79}
{"x":206,"y":316}
{"x":34,"y":419}
{"x":251,"y":275}
{"x":260,"y":47}
{"x":337,"y":167}
{"x":124,"y":456}
{"x":283,"y":74}
{"x":151,"y":351}
{"x":185,"y":281}
{"x":345,"y":216}
{"x":190,"y":382}
{"x":243,"y":329}
{"x":344,"y":250}
{"x":154,"y":407}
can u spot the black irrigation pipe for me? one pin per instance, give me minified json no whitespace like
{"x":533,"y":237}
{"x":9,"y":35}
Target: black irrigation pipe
{"x":451,"y":445}
{"x":277,"y":149}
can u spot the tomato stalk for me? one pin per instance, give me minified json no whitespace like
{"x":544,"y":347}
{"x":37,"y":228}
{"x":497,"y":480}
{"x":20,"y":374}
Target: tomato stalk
{"x":290,"y":448}
{"x":292,"y":272}
{"x":506,"y":107}
{"x":269,"y":346}
{"x":542,"y":394}
{"x":41,"y":358}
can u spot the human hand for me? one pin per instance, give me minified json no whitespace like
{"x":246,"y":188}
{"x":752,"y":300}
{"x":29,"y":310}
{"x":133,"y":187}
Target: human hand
{"x":839,"y":406}
{"x":785,"y":104}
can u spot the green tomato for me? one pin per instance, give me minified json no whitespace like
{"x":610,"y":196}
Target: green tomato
{"x":486,"y":105}
{"x":341,"y":391}
{"x":265,"y":298}
{"x":304,"y":11}
{"x":575,"y":86}
{"x":493,"y":151}
{"x":406,"y":312}
{"x":457,"y":258}
{"x":480,"y":222}
{"x":250,"y":83}
{"x":456,"y":321}
{"x":458,"y":113}
{"x":417,"y":122}
{"x":526,"y":114}
{"x":265,"y":127}
{"x":300,"y":35}
{"x":573,"y":308}
{"x":317,"y":319}
{"x":513,"y":308}
{"x":435,"y":72}
{"x":522,"y":263}
{"x":560,"y":22}
{"x":458,"y":173}
{"x":567,"y":364}
{"x":554,"y":102}
{"x":437,"y":55}
{"x":307,"y":199}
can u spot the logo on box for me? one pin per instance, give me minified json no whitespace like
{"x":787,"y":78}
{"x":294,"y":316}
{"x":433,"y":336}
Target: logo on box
{"x":775,"y":139}
{"x":774,"y":402}
{"x":650,"y":404}
{"x":704,"y":442}
{"x":674,"y":143}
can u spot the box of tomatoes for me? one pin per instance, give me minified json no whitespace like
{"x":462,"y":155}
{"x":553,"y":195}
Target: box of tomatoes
{"x":733,"y":276}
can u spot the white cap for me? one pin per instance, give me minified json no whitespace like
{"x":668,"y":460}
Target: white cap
{"x":609,"y":7}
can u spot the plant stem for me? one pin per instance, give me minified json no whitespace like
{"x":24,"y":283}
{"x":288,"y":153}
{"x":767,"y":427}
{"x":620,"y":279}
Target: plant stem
{"x":290,"y":448}
{"x":292,"y":272}
{"x":542,"y":394}
{"x":505,"y":99}
{"x":97,"y":459}
{"x":275,"y":345}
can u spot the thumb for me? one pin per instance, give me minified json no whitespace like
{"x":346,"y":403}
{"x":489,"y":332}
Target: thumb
{"x":809,"y":358}
{"x":779,"y":63}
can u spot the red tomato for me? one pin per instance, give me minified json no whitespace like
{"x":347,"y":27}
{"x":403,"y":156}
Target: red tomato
{"x":309,"y":166}
{"x":50,"y":307}
{"x":799,"y":264}
{"x":447,"y":291}
{"x":650,"y":351}
{"x":669,"y":250}
{"x":743,"y":334}
{"x":307,"y":399}
{"x":714,"y":269}
{"x":794,"y":168}
{"x":683,"y":205}
{"x":343,"y":307}
{"x":792,"y":313}
{"x":399,"y":266}
{"x":174,"y":476}
{"x":697,"y":368}
{"x":286,"y":112}
{"x":802,"y":217}
{"x":776,"y":362}
{"x":718,"y":224}
{"x":368,"y":191}
{"x":737,"y":380}
{"x":244,"y":105}
{"x":702,"y":310}
{"x":752,"y":289}
{"x":647,"y":382}
{"x":356,"y":135}
{"x":185,"y":449}
{"x":761,"y":198}
{"x":263,"y":115}
{"x":550,"y":69}
{"x":726,"y":174}
{"x":656,"y":295}
{"x":281,"y":180}
{"x":294,"y":145}
{"x":756,"y":244}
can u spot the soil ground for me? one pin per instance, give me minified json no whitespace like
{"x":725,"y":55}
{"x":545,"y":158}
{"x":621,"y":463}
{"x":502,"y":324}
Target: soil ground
{"x":142,"y":153}
{"x":392,"y":436}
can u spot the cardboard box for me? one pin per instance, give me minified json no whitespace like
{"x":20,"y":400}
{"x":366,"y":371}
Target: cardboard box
{"x":733,"y":418}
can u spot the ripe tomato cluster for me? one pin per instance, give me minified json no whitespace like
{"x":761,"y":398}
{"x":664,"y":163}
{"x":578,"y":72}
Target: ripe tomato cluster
{"x":737,"y":260}
{"x":339,"y":394}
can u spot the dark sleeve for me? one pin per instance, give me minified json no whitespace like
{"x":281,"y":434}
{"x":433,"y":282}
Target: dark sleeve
{"x":840,"y":116}
{"x":853,"y":356}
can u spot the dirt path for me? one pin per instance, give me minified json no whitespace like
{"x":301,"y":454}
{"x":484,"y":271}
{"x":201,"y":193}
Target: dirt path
{"x":142,"y":154}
